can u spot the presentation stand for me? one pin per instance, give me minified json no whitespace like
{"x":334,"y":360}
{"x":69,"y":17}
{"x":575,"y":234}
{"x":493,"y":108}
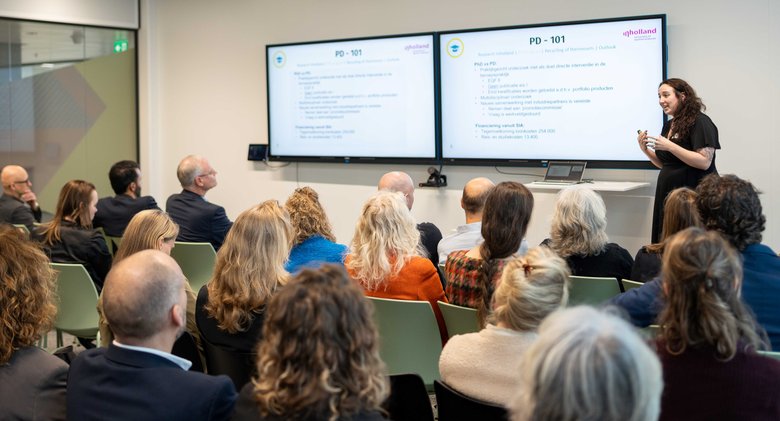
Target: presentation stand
{"x":601,"y":186}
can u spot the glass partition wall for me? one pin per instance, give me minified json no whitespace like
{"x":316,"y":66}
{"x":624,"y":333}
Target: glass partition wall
{"x":68,"y":103}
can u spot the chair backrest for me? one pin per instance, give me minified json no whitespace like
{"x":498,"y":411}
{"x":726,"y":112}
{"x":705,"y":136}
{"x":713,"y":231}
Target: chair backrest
{"x":409,"y":339}
{"x":23,"y":228}
{"x":770,"y":354}
{"x":442,"y":274}
{"x":107,"y":239}
{"x":454,"y":406}
{"x":197,"y":262}
{"x":186,"y":348}
{"x":459,"y":320}
{"x":628,"y":284}
{"x":591,"y":290}
{"x":239,"y":366}
{"x":408,"y":399}
{"x":77,"y":301}
{"x":113,"y":243}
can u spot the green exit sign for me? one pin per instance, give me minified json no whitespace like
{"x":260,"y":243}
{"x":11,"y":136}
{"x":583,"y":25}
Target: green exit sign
{"x":120,"y":45}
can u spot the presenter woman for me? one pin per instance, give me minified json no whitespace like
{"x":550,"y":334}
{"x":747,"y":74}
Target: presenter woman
{"x":685,"y":149}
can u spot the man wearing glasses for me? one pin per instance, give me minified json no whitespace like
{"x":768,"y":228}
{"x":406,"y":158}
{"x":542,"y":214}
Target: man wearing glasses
{"x":18,"y":205}
{"x":198,"y":219}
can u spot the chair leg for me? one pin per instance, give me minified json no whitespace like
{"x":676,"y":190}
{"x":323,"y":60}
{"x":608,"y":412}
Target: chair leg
{"x":59,"y":338}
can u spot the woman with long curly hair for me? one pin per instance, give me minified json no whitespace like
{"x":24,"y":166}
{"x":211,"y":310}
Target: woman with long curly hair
{"x":314,"y":241}
{"x":709,"y":338}
{"x":69,"y":237}
{"x":472,"y":275}
{"x":248,"y":271}
{"x":578,"y":234}
{"x":685,"y":149}
{"x":484,"y":364}
{"x":32,"y":381}
{"x":386,"y":257}
{"x":319,"y":359}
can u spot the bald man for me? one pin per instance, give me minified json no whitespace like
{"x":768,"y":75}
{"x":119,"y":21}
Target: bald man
{"x":468,"y":236}
{"x":18,"y":205}
{"x":198,"y":219}
{"x":136,"y":377}
{"x":398,"y":181}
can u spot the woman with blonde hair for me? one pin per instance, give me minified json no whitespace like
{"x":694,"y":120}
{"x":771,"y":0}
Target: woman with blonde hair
{"x":319,"y":359}
{"x":32,"y":381}
{"x":314,"y":241}
{"x":472,"y":274}
{"x":249,"y":269}
{"x":385,"y":256}
{"x":578,"y":234}
{"x":484,"y":365}
{"x":69,"y":237}
{"x":149,"y":229}
{"x":680,"y":212}
{"x":709,"y":338}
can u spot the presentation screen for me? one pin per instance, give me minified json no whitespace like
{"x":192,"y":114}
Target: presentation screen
{"x":353,"y":100}
{"x":565,"y":91}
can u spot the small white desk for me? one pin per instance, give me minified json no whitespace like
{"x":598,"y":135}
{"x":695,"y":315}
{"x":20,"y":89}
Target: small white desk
{"x":605,"y":186}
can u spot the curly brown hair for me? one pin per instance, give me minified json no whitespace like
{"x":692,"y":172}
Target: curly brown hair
{"x":320,"y":354}
{"x":690,"y":106}
{"x":27,"y":292}
{"x":730,"y":205}
{"x":307,"y":215}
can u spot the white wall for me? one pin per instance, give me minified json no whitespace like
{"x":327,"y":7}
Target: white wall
{"x":203,"y":91}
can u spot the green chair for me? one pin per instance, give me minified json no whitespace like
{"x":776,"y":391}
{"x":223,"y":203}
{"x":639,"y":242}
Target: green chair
{"x":113,"y":243}
{"x":107,"y":239}
{"x":77,"y":300}
{"x":459,"y":320}
{"x":196,"y":261}
{"x":409,"y":339}
{"x":23,"y":228}
{"x":651,"y":332}
{"x":586,"y":290}
{"x":628,"y":284}
{"x":770,"y":354}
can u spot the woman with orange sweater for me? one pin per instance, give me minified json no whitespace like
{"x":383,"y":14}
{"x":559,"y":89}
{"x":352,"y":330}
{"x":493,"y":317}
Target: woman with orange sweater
{"x":385,"y":256}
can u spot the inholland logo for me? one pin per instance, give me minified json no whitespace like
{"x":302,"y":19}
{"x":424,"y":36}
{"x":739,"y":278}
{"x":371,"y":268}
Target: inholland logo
{"x":640,"y":31}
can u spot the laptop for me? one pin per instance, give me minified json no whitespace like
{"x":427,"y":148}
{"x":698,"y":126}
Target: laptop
{"x":563,"y":172}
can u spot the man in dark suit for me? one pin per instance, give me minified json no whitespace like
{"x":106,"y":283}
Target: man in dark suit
{"x":114,"y":213}
{"x":430,"y":235}
{"x":18,"y":205}
{"x":136,"y":377}
{"x":199,"y":220}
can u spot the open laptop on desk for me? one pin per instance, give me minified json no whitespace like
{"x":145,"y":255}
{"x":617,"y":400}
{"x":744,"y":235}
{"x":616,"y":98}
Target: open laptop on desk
{"x":563,"y":173}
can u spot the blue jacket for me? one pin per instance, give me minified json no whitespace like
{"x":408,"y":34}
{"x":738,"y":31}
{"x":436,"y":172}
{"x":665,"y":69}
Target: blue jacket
{"x":760,"y":291}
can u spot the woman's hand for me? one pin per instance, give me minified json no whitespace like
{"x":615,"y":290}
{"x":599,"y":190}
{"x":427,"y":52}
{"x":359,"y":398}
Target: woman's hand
{"x":641,"y":137}
{"x":663,"y":144}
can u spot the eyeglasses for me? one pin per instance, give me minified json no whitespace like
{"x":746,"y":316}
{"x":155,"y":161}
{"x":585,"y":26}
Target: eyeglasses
{"x":28,"y":182}
{"x":212,"y":172}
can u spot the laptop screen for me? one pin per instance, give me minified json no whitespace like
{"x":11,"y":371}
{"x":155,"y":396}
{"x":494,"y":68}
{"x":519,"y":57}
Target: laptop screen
{"x":565,"y":171}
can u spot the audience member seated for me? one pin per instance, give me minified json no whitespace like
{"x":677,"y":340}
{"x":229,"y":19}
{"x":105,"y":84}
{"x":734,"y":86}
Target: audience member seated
{"x":578,"y":234}
{"x":386,"y":257}
{"x":114,"y":213}
{"x":150,"y":229}
{"x":249,"y":269}
{"x":680,"y":212}
{"x":320,"y":356}
{"x":430,"y":235}
{"x":32,"y":381}
{"x":730,"y":206}
{"x":485,"y":365}
{"x":199,"y":221}
{"x":708,"y":339}
{"x":588,"y":365}
{"x":314,"y":242}
{"x":469,"y":235}
{"x":136,"y":377}
{"x":69,"y":237}
{"x":472,"y":274}
{"x":18,"y":204}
